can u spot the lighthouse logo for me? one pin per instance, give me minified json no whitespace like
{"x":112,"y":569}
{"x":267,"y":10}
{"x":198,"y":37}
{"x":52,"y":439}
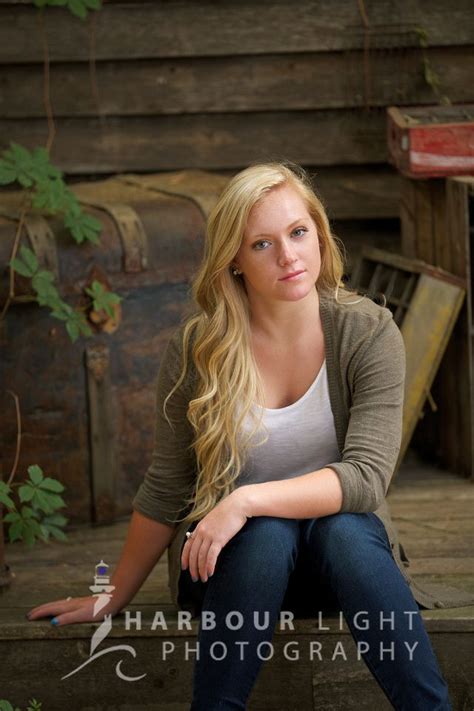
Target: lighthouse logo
{"x":102,"y":590}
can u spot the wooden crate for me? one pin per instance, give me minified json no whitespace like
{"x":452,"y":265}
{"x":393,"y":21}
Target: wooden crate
{"x":437,"y":222}
{"x":425,"y":303}
{"x":432,"y":141}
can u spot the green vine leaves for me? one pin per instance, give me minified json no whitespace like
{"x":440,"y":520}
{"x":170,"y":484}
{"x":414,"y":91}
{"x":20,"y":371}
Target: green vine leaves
{"x":79,"y":8}
{"x":38,"y":518}
{"x":33,"y":705}
{"x":49,"y":193}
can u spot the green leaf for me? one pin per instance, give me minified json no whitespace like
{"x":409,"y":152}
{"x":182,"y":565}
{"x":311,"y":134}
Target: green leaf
{"x":29,"y":258}
{"x":28,"y":536}
{"x":77,"y":8}
{"x":26,"y":492}
{"x":51,"y":485}
{"x":85,"y":328}
{"x":27,"y":264}
{"x":59,"y":315}
{"x":41,"y":501}
{"x":20,"y":267}
{"x":12,"y":517}
{"x":44,"y":532}
{"x":55,"y":501}
{"x":44,"y":277}
{"x":83,"y":227}
{"x":93,"y":4}
{"x":32,"y":525}
{"x":7,"y":173}
{"x":15,"y":531}
{"x":55,"y":519}
{"x":5,"y":705}
{"x":72,"y":328}
{"x":5,"y":499}
{"x":57,"y":533}
{"x":36,"y":474}
{"x":28,"y":512}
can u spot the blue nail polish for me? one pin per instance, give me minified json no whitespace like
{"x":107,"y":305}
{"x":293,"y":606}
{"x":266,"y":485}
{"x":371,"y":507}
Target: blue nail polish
{"x":54,"y":621}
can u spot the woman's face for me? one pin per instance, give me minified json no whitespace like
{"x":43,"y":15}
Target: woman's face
{"x":280,"y":238}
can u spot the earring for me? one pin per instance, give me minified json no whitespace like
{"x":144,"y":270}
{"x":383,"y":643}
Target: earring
{"x":236,"y":271}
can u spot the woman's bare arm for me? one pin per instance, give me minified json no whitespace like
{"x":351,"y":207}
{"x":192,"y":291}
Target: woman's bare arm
{"x":146,"y":542}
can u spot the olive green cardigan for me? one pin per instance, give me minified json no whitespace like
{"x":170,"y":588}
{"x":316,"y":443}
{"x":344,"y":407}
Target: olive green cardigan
{"x":365,"y":359}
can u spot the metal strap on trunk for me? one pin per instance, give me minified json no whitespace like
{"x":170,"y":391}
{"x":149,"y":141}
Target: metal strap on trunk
{"x":41,"y":239}
{"x":131,"y":231}
{"x":199,"y":187}
{"x":142,"y":183}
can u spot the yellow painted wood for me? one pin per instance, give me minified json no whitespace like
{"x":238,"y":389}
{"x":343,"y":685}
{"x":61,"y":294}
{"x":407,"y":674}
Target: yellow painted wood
{"x":426,"y":329}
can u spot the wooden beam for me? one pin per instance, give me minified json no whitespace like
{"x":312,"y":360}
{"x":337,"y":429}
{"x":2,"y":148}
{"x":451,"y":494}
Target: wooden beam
{"x":208,"y":141}
{"x":348,"y":193}
{"x":238,"y":84}
{"x":207,"y":28}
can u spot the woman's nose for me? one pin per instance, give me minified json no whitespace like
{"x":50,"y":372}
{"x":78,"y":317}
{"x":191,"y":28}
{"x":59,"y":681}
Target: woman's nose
{"x":287,"y":255}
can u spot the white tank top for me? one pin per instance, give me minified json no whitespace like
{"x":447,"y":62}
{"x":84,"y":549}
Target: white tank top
{"x":301,"y":437}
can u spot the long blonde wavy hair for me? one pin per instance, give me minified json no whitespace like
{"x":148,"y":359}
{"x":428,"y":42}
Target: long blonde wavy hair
{"x":219,"y":329}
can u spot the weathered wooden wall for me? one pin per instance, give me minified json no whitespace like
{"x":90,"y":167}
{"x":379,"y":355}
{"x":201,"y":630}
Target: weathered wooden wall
{"x":216,"y":85}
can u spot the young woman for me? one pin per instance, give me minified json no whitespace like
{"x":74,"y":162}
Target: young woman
{"x":278,"y":429}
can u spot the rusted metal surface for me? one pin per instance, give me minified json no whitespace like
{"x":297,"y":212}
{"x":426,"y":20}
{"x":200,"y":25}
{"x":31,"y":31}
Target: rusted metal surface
{"x":64,"y":410}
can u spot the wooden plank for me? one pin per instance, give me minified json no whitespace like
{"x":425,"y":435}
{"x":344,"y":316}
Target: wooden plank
{"x":207,"y":141}
{"x":210,"y":85}
{"x":164,"y":29}
{"x":408,"y":218}
{"x":323,"y":683}
{"x":102,"y":434}
{"x":424,"y":222}
{"x":349,"y":193}
{"x":456,"y":379}
{"x":358,"y":192}
{"x":426,"y":330}
{"x":438,"y":231}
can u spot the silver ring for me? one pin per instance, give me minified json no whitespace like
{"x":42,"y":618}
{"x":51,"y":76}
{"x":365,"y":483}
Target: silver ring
{"x":189,"y":535}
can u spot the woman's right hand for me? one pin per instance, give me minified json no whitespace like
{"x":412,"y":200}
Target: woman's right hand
{"x":75,"y":609}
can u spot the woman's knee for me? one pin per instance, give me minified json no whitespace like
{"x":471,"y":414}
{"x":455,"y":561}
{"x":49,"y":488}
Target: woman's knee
{"x":346,"y":538}
{"x":265,"y":543}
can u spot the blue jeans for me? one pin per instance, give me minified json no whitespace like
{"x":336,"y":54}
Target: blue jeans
{"x":338,"y":562}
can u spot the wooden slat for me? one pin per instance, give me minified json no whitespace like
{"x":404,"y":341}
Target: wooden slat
{"x":426,"y":329}
{"x":349,"y":193}
{"x":424,"y":218}
{"x":207,"y":141}
{"x":408,"y":217}
{"x":165,"y":29}
{"x":103,"y":438}
{"x":292,"y":81}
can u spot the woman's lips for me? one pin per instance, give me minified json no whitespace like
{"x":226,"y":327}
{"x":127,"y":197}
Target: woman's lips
{"x":295,"y":275}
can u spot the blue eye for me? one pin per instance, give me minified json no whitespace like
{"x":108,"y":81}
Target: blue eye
{"x":256,"y":245}
{"x":300,"y":229}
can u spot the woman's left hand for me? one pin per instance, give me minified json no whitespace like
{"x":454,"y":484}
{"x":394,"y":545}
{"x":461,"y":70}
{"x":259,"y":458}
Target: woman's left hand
{"x":211,"y":535}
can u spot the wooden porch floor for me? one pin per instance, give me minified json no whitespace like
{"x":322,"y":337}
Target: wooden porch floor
{"x":433,"y":510}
